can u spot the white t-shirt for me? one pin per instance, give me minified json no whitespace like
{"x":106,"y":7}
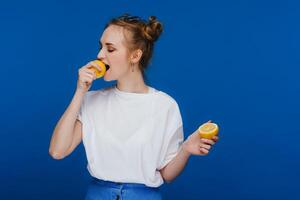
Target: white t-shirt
{"x":127,"y":136}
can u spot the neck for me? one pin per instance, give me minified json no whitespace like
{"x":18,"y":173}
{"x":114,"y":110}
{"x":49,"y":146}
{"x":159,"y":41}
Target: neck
{"x":132,"y":82}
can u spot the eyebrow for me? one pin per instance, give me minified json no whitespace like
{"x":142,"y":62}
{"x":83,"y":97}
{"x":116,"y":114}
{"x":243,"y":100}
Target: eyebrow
{"x":107,"y":43}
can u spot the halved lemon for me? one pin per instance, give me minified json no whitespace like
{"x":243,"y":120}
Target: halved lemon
{"x":208,"y":130}
{"x":99,"y":74}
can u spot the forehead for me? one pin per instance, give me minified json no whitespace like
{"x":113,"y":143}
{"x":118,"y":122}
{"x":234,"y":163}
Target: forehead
{"x":113,"y":34}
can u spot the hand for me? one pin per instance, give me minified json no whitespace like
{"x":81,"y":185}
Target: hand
{"x":195,"y":145}
{"x":86,"y":76}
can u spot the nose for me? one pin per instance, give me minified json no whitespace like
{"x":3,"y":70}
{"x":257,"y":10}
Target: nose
{"x":101,"y":55}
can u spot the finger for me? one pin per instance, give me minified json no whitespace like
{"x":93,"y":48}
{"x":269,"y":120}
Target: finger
{"x":84,"y":70}
{"x":92,"y":76}
{"x":204,"y":151}
{"x":209,"y":121}
{"x":89,"y":67}
{"x":207,"y":141}
{"x":205,"y":146}
{"x":91,"y":71}
{"x":94,"y":64}
{"x":215,"y":138}
{"x":87,"y":79}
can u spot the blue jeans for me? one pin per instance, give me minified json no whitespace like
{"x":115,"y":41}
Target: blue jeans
{"x":107,"y":190}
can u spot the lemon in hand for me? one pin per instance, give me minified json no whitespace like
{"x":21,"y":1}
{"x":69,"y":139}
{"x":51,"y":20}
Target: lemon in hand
{"x":99,"y":74}
{"x":208,"y":130}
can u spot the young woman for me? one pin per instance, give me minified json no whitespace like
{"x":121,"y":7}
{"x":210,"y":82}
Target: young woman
{"x":132,"y":132}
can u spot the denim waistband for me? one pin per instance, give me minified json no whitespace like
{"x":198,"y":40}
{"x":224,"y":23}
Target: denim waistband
{"x":120,"y":185}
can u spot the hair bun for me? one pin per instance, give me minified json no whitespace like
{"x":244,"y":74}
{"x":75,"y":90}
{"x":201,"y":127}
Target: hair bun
{"x":153,"y":29}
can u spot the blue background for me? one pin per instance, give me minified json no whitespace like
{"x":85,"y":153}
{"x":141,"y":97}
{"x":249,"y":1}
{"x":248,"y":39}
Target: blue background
{"x":235,"y":62}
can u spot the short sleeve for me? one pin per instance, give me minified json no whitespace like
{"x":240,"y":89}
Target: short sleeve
{"x":173,"y":138}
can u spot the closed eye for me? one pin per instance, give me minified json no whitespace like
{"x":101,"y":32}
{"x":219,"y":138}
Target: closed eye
{"x":109,"y":48}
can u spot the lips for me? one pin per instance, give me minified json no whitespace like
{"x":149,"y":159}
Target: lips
{"x":107,"y":66}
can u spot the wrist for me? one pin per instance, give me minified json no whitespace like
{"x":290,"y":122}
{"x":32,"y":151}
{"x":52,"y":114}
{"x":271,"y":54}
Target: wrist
{"x":80,"y":91}
{"x":185,"y":150}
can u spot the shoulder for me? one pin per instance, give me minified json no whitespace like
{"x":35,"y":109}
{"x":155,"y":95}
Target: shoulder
{"x":169,"y":108}
{"x":167,"y":100}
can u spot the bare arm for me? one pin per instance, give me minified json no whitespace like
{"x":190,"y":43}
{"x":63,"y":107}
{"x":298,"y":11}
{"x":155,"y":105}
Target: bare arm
{"x":67,"y":133}
{"x":193,"y":145}
{"x":175,"y":166}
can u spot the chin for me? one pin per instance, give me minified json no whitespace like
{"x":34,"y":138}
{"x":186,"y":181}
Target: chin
{"x":108,"y":79}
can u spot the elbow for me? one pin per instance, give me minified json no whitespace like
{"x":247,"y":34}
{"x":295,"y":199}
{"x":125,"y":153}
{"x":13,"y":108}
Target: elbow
{"x":56,"y":155}
{"x":168,"y":180}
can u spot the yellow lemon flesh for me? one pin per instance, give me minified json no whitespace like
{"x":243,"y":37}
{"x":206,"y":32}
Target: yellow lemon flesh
{"x":99,"y":74}
{"x":208,"y":130}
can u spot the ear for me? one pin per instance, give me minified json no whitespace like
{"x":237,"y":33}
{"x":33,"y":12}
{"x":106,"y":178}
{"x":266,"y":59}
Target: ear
{"x":136,"y":56}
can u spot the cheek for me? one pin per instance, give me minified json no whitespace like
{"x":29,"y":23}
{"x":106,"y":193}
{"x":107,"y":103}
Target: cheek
{"x":118,"y":61}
